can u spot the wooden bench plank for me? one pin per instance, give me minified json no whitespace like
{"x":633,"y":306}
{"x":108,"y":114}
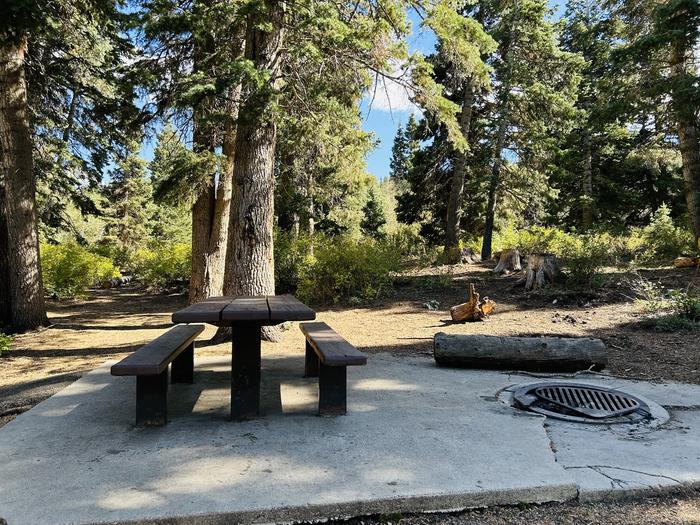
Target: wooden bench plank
{"x":331,"y":348}
{"x":252,"y":309}
{"x":154,"y":357}
{"x":288,"y":308}
{"x":208,"y":311}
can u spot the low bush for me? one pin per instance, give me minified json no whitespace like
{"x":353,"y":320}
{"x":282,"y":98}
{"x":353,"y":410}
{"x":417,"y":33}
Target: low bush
{"x":162,"y":266}
{"x":585,"y":256}
{"x":669,"y":311}
{"x":69,"y":269}
{"x":344,"y":269}
{"x":5,"y":342}
{"x":407,"y":242}
{"x":662,"y":240}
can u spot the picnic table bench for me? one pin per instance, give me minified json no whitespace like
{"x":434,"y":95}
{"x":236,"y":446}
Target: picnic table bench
{"x":327,"y":357}
{"x":150,"y":366}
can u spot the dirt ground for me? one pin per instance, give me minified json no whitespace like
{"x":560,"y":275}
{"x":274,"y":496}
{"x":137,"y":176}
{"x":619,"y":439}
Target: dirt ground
{"x":111,"y":323}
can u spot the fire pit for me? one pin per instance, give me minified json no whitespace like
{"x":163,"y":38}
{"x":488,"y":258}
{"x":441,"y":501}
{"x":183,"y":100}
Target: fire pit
{"x":584,"y":403}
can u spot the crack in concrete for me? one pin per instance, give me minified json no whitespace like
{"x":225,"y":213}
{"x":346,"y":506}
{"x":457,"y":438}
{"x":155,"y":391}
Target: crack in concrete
{"x":597,"y":468}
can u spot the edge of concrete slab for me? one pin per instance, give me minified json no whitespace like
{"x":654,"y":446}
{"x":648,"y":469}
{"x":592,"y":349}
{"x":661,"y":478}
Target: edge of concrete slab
{"x":413,"y":504}
{"x":617,"y":494}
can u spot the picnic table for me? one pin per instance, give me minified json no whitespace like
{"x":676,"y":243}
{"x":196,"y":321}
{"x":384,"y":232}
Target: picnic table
{"x":245,"y":316}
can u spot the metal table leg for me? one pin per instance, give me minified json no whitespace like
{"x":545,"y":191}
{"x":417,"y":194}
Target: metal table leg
{"x":245,"y":371}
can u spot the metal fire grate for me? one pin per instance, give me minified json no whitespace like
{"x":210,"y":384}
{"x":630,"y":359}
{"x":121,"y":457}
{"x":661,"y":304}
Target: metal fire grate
{"x":582,"y":403}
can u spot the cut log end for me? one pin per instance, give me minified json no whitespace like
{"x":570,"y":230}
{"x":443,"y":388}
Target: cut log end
{"x":686,"y":262}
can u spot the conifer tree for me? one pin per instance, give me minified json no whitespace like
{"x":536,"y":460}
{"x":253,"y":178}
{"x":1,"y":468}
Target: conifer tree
{"x":374,"y":219}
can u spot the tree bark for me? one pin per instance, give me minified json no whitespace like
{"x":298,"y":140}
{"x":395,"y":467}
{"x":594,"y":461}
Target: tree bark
{"x":542,"y":269}
{"x":688,"y":139}
{"x":211,"y":209}
{"x":537,"y":354}
{"x":250,"y":268}
{"x":21,"y":288}
{"x":459,"y":172}
{"x":587,"y":183}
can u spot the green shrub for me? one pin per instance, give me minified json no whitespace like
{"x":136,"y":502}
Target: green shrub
{"x":685,"y":304}
{"x":69,"y":269}
{"x":347,"y":269}
{"x":5,"y":342}
{"x":585,"y":257}
{"x":407,"y":241}
{"x":292,"y":261}
{"x":663,"y":240}
{"x":162,"y":265}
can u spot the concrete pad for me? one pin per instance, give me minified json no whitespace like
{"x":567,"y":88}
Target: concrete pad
{"x":417,"y":438}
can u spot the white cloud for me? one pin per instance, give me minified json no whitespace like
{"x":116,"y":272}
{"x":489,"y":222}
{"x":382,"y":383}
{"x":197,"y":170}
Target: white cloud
{"x":388,"y":95}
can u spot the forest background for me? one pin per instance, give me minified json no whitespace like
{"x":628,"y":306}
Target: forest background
{"x":568,"y":129}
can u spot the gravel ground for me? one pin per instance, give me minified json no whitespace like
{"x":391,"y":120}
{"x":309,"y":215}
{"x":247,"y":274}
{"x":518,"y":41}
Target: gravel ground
{"x":678,"y":509}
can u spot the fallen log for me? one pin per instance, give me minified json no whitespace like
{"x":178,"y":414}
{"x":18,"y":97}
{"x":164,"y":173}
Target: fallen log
{"x":474,"y":309}
{"x":537,"y":354}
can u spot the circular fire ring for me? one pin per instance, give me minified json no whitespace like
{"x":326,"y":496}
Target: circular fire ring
{"x":583,"y":403}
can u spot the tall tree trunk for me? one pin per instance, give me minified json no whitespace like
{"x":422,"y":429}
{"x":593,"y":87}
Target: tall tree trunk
{"x":486,"y":247}
{"x":250,"y":265}
{"x":504,"y":110}
{"x":211,"y":210}
{"x":687,"y":126}
{"x":21,"y":288}
{"x":459,"y":172}
{"x":587,"y":183}
{"x":210,"y":222}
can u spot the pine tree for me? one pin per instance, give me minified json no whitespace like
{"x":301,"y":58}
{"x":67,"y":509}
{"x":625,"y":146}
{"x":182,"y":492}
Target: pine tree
{"x":131,"y":203}
{"x":668,"y":33}
{"x":374,"y":219}
{"x":531,"y":61}
{"x":402,"y":150}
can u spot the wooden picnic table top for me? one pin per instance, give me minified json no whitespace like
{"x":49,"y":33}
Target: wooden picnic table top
{"x":262,"y":309}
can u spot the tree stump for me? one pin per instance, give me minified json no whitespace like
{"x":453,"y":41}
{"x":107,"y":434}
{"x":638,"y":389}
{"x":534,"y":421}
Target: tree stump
{"x":468,"y":256}
{"x":508,"y":261}
{"x":473,"y":309}
{"x":542,"y":269}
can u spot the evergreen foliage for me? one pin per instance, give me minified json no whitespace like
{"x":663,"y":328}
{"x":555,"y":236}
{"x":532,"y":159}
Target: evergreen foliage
{"x":374,"y":220}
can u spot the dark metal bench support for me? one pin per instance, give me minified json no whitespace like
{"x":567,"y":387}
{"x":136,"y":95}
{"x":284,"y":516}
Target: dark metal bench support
{"x":332,"y":390}
{"x":245,"y":371}
{"x":152,"y":399}
{"x":182,"y":367}
{"x":312,"y":362}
